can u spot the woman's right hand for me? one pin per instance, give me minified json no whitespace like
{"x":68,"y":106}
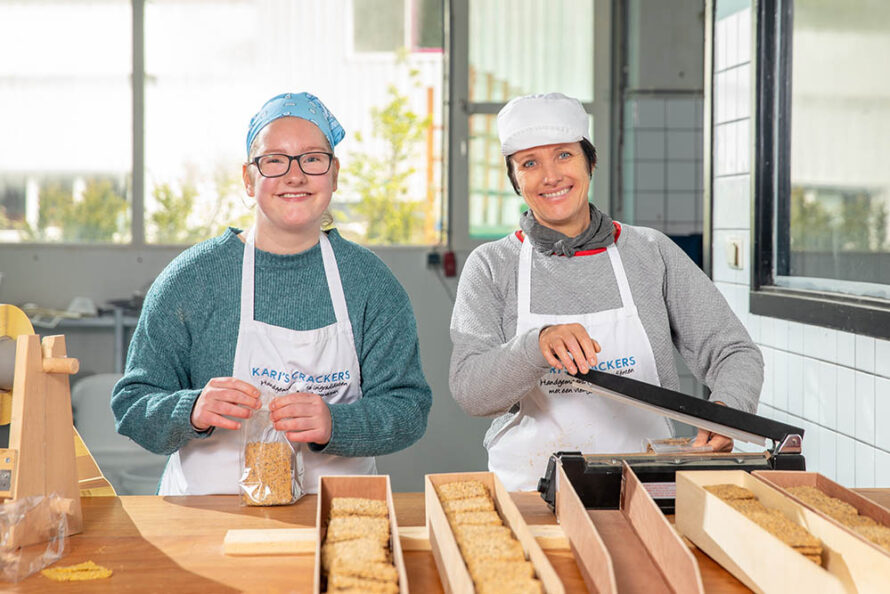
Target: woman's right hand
{"x":224,"y":396}
{"x":569,"y":347}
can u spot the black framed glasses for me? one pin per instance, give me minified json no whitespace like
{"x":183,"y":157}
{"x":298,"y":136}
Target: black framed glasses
{"x":278,"y":164}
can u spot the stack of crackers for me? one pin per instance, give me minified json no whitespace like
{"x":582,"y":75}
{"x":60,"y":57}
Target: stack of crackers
{"x":771,"y":520}
{"x":356,"y":555}
{"x":844,"y":513}
{"x":494,"y":557}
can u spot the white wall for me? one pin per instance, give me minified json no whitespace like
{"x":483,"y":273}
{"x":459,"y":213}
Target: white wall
{"x":832,"y":384}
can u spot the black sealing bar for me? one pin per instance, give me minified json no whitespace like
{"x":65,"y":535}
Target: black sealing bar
{"x":695,"y":407}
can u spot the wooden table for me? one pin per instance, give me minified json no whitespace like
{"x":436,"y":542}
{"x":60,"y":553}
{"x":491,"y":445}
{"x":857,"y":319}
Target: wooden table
{"x":174,"y":544}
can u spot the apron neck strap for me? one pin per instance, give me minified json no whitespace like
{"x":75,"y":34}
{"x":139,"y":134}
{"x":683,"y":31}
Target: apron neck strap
{"x":247,"y":275}
{"x":331,"y":271}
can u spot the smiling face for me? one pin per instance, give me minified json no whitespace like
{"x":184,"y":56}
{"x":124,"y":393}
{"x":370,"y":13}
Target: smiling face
{"x":554,"y":179}
{"x":290,"y":208}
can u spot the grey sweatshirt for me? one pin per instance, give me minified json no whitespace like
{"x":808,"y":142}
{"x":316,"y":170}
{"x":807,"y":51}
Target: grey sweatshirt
{"x":491,"y":368}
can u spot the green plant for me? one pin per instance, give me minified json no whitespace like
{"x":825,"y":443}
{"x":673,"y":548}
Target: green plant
{"x":180,"y":217}
{"x":381,"y":177}
{"x":169,"y":223}
{"x":98,"y":215}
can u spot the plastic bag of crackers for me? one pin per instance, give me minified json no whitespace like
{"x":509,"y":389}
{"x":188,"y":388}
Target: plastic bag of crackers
{"x":271,"y":466}
{"x":47,"y":516}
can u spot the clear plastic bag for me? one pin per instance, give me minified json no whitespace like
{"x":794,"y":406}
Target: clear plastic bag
{"x":271,"y":466}
{"x":675,"y":445}
{"x":43,"y":516}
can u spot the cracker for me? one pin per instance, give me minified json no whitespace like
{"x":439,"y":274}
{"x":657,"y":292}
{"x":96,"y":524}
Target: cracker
{"x":381,"y":571}
{"x":729,"y":492}
{"x":494,"y":548}
{"x":365,"y":549}
{"x":831,"y":506}
{"x":880,"y":535}
{"x":354,"y":527}
{"x":747,"y":506}
{"x":462,"y":490}
{"x":474,"y":532}
{"x":486,"y":569}
{"x":477,"y":518}
{"x":857,"y":520}
{"x":468,"y":505}
{"x":339,"y":582}
{"x":499,"y":586}
{"x":784,"y":529}
{"x":270,"y":473}
{"x":358,"y":506}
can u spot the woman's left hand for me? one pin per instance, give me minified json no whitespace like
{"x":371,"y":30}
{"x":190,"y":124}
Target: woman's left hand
{"x":304,"y":417}
{"x":718,"y":443}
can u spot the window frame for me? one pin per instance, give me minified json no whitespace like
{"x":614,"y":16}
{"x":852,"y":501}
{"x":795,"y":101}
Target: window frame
{"x":865,"y":316}
{"x":460,"y":109}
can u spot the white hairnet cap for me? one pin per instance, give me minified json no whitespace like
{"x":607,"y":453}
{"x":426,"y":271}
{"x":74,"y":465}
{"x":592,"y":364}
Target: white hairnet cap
{"x":536,"y":120}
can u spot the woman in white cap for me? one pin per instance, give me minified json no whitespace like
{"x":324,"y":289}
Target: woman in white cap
{"x":575,"y":290}
{"x":284,"y":308}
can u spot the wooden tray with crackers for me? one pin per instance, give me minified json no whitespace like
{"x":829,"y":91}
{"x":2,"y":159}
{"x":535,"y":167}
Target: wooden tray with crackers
{"x":855,"y":515}
{"x":479,"y":539}
{"x":357,"y":547}
{"x":768,"y":541}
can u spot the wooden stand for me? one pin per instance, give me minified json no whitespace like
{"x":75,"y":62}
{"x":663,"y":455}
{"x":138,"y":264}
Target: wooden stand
{"x":41,"y":458}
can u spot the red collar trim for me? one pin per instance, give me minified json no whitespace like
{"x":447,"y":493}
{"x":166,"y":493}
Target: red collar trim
{"x":521,"y":237}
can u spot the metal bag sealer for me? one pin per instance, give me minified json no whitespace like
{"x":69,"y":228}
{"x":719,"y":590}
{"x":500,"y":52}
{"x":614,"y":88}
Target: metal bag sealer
{"x":597,"y":477}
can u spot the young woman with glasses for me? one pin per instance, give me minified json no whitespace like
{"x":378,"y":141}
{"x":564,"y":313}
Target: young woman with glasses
{"x":283,"y":308}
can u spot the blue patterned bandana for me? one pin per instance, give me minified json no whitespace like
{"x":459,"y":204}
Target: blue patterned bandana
{"x":298,"y":105}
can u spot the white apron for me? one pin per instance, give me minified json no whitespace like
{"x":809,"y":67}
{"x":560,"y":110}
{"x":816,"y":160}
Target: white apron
{"x":554,"y":416}
{"x":277,"y":361}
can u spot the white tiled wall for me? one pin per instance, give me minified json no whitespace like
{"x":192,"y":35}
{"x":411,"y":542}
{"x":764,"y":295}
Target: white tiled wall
{"x":833,"y":384}
{"x":662,"y":162}
{"x":662,"y":176}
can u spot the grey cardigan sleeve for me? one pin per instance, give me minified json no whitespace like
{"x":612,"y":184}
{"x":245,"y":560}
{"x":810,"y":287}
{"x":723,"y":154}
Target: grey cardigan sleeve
{"x":490,"y":372}
{"x":707,"y":333}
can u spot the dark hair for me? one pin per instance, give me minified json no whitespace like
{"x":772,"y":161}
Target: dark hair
{"x":586,"y":147}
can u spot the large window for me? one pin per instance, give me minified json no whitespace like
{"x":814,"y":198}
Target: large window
{"x":74,"y":170}
{"x":66,"y":125}
{"x":391,"y":25}
{"x":547,"y":46}
{"x":823,"y":187}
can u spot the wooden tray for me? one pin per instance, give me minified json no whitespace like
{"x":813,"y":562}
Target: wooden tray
{"x":869,"y":566}
{"x":754,"y":556}
{"x":452,"y":570}
{"x":370,"y":487}
{"x":631,"y":549}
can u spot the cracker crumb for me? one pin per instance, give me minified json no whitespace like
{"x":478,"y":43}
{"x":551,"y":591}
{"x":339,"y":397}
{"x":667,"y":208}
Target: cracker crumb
{"x":77,"y":573}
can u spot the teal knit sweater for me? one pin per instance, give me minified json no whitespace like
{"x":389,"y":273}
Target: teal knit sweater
{"x":188,"y":329}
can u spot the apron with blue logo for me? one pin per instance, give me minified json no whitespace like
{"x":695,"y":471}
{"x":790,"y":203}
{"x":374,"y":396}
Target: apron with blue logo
{"x":554,"y":415}
{"x":281,"y":361}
